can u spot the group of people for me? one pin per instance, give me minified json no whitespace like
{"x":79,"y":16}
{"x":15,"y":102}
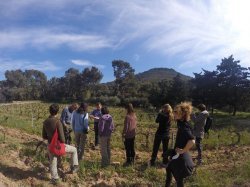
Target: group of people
{"x":177,"y":161}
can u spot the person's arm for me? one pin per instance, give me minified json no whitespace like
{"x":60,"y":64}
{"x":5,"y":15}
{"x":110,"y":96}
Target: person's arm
{"x":44,"y":134}
{"x":112,"y":126}
{"x":63,"y":117}
{"x":157,"y":120}
{"x":91,"y":116}
{"x":73,"y":121}
{"x":193,"y":117}
{"x":188,"y":146}
{"x":60,"y":132}
{"x":125,"y":127}
{"x":86,"y":121}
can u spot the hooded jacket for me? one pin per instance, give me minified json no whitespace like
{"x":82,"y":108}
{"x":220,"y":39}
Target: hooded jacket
{"x":80,"y":122}
{"x":105,"y":125}
{"x":199,"y":123}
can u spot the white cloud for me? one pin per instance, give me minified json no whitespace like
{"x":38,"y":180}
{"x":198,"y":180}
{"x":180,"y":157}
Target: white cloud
{"x":194,"y":31}
{"x":51,"y":38}
{"x":86,"y":63}
{"x":8,"y":64}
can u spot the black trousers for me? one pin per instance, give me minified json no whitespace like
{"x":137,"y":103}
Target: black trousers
{"x":67,"y":135}
{"x":157,"y":141}
{"x":179,"y":181}
{"x":96,"y":133}
{"x":130,"y":149}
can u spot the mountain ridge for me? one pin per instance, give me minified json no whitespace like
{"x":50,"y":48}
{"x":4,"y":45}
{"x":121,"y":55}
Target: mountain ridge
{"x":158,"y":74}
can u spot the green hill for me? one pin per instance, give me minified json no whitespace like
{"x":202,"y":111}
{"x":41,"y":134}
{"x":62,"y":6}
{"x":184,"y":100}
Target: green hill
{"x":158,"y":74}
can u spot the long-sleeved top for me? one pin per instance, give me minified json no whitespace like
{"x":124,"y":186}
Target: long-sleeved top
{"x":164,"y":124}
{"x":96,"y":113}
{"x":199,"y":123}
{"x":80,"y":122}
{"x":105,"y":125}
{"x":184,"y":134}
{"x":49,"y":127}
{"x":130,"y":124}
{"x":66,"y":116}
{"x":183,"y":166}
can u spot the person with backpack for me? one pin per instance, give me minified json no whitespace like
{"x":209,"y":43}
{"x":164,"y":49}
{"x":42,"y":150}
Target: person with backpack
{"x":181,"y":164}
{"x":50,"y":125}
{"x":199,"y":120}
{"x":80,"y":124}
{"x":128,"y":134}
{"x":66,"y":120}
{"x":105,"y":128}
{"x":164,"y":118}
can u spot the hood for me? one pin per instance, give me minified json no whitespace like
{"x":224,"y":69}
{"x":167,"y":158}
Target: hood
{"x":204,"y":112}
{"x":107,"y":117}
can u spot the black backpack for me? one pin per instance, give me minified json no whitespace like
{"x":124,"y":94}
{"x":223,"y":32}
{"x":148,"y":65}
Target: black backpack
{"x":208,"y":124}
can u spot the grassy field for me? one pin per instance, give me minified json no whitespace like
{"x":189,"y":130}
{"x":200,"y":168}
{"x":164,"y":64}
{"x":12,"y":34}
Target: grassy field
{"x":226,"y":149}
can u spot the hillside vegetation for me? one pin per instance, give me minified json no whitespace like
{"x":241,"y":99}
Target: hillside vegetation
{"x":158,"y":74}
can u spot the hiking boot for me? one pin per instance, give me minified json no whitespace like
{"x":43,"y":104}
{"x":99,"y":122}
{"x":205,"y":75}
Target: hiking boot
{"x":74,"y":169}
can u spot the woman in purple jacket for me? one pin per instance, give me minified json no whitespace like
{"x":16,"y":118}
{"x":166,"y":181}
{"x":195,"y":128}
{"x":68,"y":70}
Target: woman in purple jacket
{"x":105,"y":128}
{"x":129,"y":131}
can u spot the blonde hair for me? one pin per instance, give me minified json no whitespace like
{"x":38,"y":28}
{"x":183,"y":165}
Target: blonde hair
{"x":169,"y":111}
{"x":185,"y":109}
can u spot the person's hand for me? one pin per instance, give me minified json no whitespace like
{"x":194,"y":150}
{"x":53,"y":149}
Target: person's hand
{"x":180,"y":151}
{"x":68,"y":128}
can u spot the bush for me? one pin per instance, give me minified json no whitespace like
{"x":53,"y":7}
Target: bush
{"x":137,"y":102}
{"x":105,"y":100}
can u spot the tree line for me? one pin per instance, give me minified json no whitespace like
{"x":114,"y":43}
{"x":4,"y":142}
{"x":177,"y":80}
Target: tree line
{"x":227,"y":87}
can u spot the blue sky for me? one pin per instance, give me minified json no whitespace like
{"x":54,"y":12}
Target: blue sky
{"x":54,"y":35}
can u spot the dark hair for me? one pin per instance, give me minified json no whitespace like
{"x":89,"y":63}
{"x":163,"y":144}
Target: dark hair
{"x":73,"y":107}
{"x":104,"y":110}
{"x":130,"y":108}
{"x":83,"y":108}
{"x":201,"y":107}
{"x":53,"y":109}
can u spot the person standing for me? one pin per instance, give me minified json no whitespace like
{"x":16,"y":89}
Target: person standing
{"x":66,"y":120}
{"x":49,"y":126}
{"x":164,"y":118}
{"x":181,"y":165}
{"x":80,"y":124}
{"x":199,"y":120}
{"x":96,"y":114}
{"x":129,"y":131}
{"x":105,"y":128}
